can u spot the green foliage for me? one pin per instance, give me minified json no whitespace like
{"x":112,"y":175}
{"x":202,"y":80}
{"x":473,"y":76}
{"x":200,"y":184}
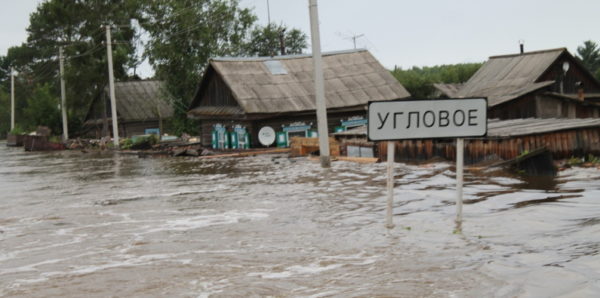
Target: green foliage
{"x":589,"y":55}
{"x":76,"y":25}
{"x":140,"y":142}
{"x":575,"y":161}
{"x":523,"y":154}
{"x":4,"y":113}
{"x":581,"y":161}
{"x":593,"y":159}
{"x":184,"y":35}
{"x":265,"y":41}
{"x":42,"y":110}
{"x":419,"y":80}
{"x":125,"y":144}
{"x":17,"y":130}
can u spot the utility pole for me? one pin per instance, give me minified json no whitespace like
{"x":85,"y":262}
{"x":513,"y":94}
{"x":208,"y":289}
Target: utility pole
{"x":111,"y":87}
{"x":268,"y":13}
{"x":319,"y":86}
{"x":63,"y":99}
{"x":12,"y":98}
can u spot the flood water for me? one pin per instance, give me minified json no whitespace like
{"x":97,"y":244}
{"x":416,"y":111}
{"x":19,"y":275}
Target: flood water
{"x":76,"y":224}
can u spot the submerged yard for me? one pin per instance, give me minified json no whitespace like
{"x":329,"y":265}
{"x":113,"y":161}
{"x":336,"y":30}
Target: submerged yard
{"x":75,"y":224}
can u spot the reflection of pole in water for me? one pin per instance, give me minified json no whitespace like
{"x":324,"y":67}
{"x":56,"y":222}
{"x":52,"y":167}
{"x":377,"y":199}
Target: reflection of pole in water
{"x":117,"y":162}
{"x":459,"y":182}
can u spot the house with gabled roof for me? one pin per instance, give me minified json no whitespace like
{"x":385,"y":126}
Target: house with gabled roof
{"x":540,"y":84}
{"x":251,"y":93}
{"x":142,"y":107}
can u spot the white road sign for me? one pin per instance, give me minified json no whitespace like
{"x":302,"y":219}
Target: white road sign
{"x":425,"y":119}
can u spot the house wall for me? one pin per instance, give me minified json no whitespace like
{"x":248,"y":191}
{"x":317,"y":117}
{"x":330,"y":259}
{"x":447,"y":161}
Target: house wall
{"x":562,"y":144}
{"x":333,"y":120}
{"x":217,"y":93}
{"x":553,"y":107}
{"x":574,"y":74}
{"x":130,"y":129}
{"x":126,"y":129}
{"x":524,"y":107}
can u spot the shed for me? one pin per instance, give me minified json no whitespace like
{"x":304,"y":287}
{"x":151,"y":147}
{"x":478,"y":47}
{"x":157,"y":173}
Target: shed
{"x":246,"y":94}
{"x":542,"y":84}
{"x":141,"y":107}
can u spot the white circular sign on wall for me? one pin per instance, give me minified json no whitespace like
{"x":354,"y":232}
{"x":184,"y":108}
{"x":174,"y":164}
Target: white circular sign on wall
{"x":266,"y":136}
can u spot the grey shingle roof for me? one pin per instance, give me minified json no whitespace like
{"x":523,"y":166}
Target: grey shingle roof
{"x":503,"y":78}
{"x":352,"y":78}
{"x":141,"y":100}
{"x":448,"y":89}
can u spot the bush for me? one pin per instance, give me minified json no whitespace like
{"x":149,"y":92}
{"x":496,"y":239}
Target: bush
{"x":17,"y":130}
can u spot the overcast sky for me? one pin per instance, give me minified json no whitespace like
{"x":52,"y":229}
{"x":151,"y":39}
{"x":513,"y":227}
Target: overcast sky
{"x":408,"y":33}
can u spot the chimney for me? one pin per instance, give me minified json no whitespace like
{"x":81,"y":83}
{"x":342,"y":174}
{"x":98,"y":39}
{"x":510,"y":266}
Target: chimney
{"x":580,"y":93}
{"x":521,"y":46}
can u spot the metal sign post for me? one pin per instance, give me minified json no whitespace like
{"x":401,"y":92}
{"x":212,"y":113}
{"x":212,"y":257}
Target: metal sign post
{"x":391,"y":148}
{"x":427,"y":119}
{"x":460,"y":145}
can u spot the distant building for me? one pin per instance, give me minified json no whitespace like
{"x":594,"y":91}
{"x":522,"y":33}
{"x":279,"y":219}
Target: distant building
{"x":142,"y":106}
{"x":246,"y":94}
{"x":541,"y":84}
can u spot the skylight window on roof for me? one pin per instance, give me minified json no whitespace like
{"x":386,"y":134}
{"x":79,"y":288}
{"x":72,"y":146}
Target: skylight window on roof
{"x":275,"y":67}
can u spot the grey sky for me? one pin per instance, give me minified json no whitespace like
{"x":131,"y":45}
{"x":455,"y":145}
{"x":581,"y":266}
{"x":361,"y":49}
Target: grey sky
{"x":408,"y":33}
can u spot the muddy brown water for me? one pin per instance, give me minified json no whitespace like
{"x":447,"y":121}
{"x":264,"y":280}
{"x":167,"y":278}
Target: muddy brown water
{"x":78,"y":224}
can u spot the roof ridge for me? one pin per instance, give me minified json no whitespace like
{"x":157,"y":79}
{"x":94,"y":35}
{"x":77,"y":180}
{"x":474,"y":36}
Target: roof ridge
{"x":529,"y":53}
{"x":284,"y":57}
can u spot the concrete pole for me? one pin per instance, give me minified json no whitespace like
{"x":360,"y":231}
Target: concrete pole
{"x":391,"y":148}
{"x":319,"y":86}
{"x":460,"y":145}
{"x":63,"y":98}
{"x":111,"y":87}
{"x":12,"y":98}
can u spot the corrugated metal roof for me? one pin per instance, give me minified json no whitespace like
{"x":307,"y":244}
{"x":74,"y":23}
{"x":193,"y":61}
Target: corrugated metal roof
{"x":351,"y":78}
{"x":141,"y":100}
{"x":516,"y":127}
{"x":503,"y":78}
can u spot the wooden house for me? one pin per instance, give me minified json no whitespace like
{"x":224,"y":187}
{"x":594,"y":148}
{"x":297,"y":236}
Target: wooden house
{"x":142,"y":107}
{"x":541,"y":84}
{"x":246,"y":94}
{"x":505,"y":139}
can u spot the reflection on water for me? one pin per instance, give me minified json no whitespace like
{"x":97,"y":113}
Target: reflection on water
{"x":106,"y":224}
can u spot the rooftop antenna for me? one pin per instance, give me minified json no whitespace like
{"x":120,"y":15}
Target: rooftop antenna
{"x":353,"y":37}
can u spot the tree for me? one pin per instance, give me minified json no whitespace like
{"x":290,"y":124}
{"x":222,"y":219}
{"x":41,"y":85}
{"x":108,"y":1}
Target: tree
{"x":43,"y":109}
{"x":4,"y":113}
{"x":184,"y":34}
{"x":78,"y":26}
{"x":266,"y":41}
{"x":419,"y":81}
{"x":589,"y":55}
